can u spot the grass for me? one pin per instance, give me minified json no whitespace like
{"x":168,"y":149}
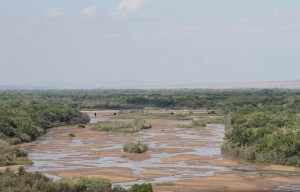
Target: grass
{"x":152,"y":115}
{"x":21,"y":161}
{"x":135,"y":147}
{"x":7,"y":160}
{"x":203,"y":121}
{"x":165,"y":184}
{"x":118,"y":126}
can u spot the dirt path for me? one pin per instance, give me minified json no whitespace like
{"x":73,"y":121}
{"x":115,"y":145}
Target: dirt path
{"x":190,"y":159}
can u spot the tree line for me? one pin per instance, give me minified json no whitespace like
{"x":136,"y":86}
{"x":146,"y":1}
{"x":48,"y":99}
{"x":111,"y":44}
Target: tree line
{"x":25,"y":120}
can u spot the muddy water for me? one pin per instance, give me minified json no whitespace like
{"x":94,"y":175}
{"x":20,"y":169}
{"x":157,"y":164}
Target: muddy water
{"x":189,"y":158}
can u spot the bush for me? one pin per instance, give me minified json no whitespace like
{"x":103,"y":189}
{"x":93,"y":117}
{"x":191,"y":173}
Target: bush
{"x":35,"y":181}
{"x":141,"y":124}
{"x":24,"y":181}
{"x":132,"y":147}
{"x":12,"y":154}
{"x":14,"y":140}
{"x":97,"y":183}
{"x":81,"y":126}
{"x":24,"y":137}
{"x":71,"y":135}
{"x":119,"y":189}
{"x":146,"y":187}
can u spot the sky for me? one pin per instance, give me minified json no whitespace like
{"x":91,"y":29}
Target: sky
{"x":102,"y":43}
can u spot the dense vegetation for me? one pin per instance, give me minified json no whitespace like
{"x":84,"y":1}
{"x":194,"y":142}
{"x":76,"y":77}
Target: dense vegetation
{"x":37,"y":182}
{"x":22,"y":121}
{"x":262,"y":125}
{"x":146,"y":187}
{"x":25,"y":120}
{"x":228,"y":100}
{"x":267,"y":132}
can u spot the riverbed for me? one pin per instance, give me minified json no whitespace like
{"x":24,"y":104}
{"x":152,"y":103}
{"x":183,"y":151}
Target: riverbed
{"x":189,"y":158}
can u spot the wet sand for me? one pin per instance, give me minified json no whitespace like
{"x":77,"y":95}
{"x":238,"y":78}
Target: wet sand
{"x":191,"y":159}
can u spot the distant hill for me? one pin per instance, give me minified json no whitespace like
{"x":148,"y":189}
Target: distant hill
{"x":251,"y":85}
{"x":20,"y":87}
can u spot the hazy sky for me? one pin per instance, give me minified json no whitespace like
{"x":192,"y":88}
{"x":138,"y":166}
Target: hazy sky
{"x":96,"y":43}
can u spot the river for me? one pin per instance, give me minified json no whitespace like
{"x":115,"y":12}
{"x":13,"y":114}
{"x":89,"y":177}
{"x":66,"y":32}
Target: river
{"x":189,"y":158}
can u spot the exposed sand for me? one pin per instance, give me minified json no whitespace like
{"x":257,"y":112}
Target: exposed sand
{"x":189,"y":158}
{"x":186,"y":158}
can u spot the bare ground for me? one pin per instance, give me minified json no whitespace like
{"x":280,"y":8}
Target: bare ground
{"x":189,"y":158}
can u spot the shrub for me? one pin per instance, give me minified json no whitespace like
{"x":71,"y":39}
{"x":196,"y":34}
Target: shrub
{"x":141,"y":124}
{"x":3,"y":144}
{"x":146,"y":126}
{"x":14,"y":140}
{"x":146,"y":187}
{"x":20,"y":152}
{"x":35,"y":181}
{"x":97,"y":183}
{"x":24,"y":181}
{"x":81,"y":126}
{"x":71,"y":135}
{"x":119,"y":189}
{"x":24,"y":137}
{"x":12,"y":154}
{"x":132,"y":147}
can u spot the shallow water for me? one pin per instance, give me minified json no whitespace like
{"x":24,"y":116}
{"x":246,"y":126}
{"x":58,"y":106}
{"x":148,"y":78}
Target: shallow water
{"x":55,"y":160}
{"x":174,"y":154}
{"x":289,"y":188}
{"x":180,"y":122}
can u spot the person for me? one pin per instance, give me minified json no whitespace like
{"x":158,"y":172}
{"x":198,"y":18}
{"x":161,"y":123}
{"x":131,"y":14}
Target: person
{"x":95,"y":114}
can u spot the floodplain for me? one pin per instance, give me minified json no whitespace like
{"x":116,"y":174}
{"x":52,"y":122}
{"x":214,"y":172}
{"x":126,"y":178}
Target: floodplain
{"x":179,"y":158}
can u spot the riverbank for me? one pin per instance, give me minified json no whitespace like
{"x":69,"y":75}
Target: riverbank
{"x":188,"y":158}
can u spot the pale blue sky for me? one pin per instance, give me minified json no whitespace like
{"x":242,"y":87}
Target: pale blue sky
{"x":90,"y":44}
